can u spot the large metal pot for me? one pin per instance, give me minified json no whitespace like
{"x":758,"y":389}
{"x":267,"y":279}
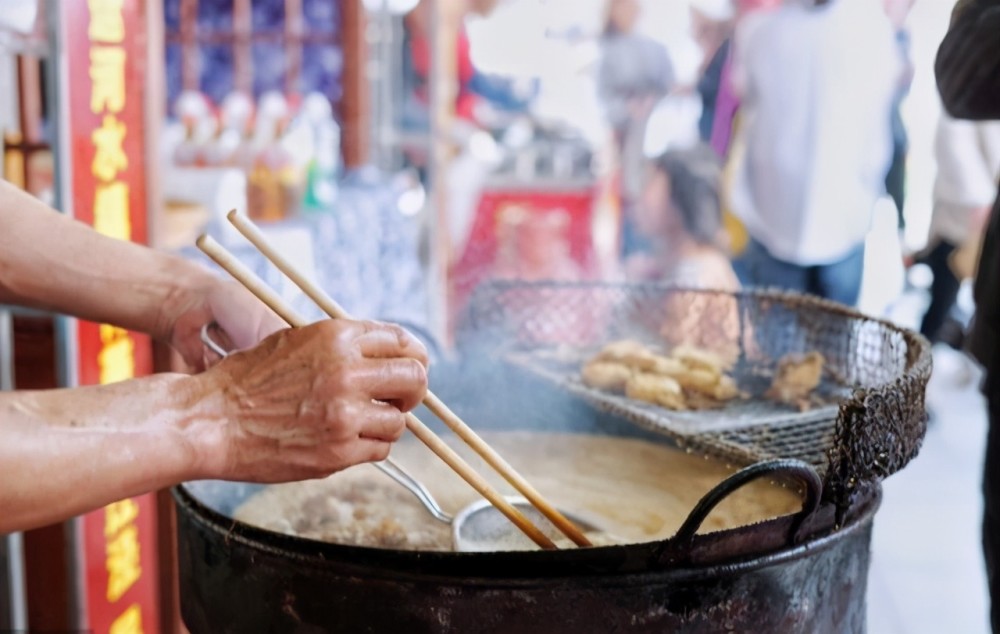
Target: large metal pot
{"x":792,"y":574}
{"x":237,"y":578}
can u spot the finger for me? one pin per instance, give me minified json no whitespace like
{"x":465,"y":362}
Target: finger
{"x":400,"y":382}
{"x":245,"y":319}
{"x":385,"y":341}
{"x":382,"y":422}
{"x":358,"y":451}
{"x":373,"y":450}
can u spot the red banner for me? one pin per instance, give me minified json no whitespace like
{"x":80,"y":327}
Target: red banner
{"x":105,"y":55}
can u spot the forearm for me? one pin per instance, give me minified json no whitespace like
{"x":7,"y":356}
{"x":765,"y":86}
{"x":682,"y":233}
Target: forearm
{"x":65,"y":452}
{"x":967,"y":61}
{"x":49,"y":261}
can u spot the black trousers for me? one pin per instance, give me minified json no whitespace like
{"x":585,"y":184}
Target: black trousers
{"x":991,"y":493}
{"x":944,"y":289}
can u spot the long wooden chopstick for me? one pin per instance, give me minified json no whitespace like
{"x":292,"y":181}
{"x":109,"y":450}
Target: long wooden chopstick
{"x":258,"y":287}
{"x":253,"y":233}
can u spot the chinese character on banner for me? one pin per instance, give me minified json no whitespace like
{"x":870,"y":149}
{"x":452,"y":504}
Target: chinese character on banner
{"x":119,"y":515}
{"x":107,"y":74}
{"x":107,"y":23}
{"x":123,"y":562}
{"x":111,"y":210}
{"x":104,"y":50}
{"x":117,"y":357}
{"x":130,"y":622}
{"x":109,"y":153}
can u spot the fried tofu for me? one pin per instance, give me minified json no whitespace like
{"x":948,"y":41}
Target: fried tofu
{"x":656,"y":389}
{"x":796,"y":377}
{"x":606,"y":375}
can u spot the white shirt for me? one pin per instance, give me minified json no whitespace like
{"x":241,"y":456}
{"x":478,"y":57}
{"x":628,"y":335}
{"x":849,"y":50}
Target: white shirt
{"x":968,"y":167}
{"x":817,"y":89}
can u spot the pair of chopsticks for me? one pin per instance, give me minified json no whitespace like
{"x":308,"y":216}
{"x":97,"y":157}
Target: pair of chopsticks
{"x":257,"y":286}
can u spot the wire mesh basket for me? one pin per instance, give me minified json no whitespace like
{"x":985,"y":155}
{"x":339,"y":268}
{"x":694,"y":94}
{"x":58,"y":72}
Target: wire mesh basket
{"x":868,"y":418}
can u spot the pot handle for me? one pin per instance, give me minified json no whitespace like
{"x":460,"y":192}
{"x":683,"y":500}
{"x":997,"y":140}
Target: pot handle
{"x":798,"y":469}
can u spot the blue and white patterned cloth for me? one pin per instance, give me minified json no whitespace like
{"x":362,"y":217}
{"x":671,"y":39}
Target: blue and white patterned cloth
{"x":362,"y":251}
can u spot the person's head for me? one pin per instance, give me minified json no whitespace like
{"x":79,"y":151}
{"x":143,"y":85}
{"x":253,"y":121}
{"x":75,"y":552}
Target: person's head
{"x":681,"y":196}
{"x":621,"y":16}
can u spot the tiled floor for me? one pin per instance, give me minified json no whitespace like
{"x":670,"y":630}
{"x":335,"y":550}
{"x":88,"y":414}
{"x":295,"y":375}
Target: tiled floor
{"x":927,"y":573}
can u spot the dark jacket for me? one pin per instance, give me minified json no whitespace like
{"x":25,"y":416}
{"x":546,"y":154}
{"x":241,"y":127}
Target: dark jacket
{"x":968,"y":76}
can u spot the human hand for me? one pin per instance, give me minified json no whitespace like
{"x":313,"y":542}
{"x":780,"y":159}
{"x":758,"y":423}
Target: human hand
{"x":244,"y":321}
{"x":310,"y":401}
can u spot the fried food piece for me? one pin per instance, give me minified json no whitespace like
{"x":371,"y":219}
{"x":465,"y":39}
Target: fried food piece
{"x":796,"y":377}
{"x":642,"y":361}
{"x":711,"y":383}
{"x":690,"y":378}
{"x":699,"y":380}
{"x":656,"y":389}
{"x":630,"y":353}
{"x":620,"y":350}
{"x":700,"y":359}
{"x":606,"y":375}
{"x":726,"y":389}
{"x":700,"y":402}
{"x":667,"y":366}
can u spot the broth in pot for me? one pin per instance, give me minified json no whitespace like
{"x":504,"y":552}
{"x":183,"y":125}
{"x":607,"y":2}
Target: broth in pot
{"x":634,"y":490}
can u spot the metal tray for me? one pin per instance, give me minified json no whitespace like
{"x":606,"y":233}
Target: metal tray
{"x":561,"y":366}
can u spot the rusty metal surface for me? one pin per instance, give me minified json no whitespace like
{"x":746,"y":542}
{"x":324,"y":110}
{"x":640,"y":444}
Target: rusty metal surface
{"x":874,"y":419}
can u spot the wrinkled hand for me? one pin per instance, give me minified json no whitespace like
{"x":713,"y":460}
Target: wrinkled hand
{"x":311,"y":401}
{"x":243,"y":319}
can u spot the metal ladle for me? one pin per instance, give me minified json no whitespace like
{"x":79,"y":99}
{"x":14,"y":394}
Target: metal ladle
{"x":479,"y":526}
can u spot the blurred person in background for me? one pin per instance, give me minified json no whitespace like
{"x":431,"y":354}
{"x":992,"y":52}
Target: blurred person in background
{"x":719,"y":102}
{"x":679,"y":214}
{"x":720,"y":106}
{"x":895,"y":179}
{"x":635,"y":72}
{"x":478,"y":97}
{"x":816,"y":82}
{"x":474,"y":88}
{"x":966,"y":69}
{"x":417,"y":69}
{"x":711,"y":28}
{"x":968,"y":166}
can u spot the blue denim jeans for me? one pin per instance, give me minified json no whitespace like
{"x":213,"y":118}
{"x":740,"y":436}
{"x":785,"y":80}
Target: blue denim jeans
{"x":839,"y":281}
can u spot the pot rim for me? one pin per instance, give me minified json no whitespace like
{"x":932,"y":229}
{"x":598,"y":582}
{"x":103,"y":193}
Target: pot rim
{"x":627,"y":563}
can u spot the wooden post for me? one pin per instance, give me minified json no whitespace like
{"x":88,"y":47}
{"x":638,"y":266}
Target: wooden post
{"x":355,"y":109}
{"x":445,"y":23}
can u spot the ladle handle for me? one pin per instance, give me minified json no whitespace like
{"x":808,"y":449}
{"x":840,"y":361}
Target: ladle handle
{"x":411,"y":484}
{"x":797,"y":469}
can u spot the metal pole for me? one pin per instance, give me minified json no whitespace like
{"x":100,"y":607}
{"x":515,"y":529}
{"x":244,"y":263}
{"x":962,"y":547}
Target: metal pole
{"x":13,"y":605}
{"x":64,"y":327}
